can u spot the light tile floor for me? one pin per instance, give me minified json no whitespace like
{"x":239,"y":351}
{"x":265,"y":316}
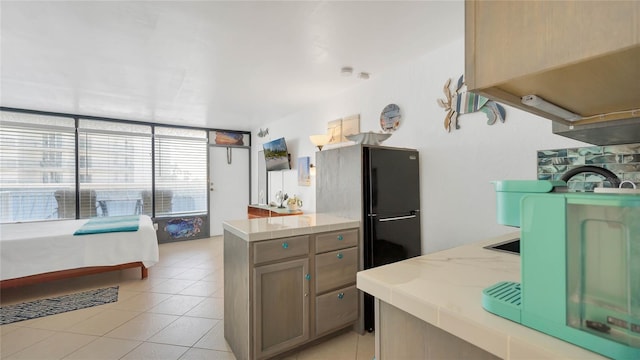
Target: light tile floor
{"x":177,"y":313}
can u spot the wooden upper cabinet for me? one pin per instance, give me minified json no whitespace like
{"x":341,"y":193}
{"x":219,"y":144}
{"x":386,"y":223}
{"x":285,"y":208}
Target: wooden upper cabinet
{"x":583,"y":56}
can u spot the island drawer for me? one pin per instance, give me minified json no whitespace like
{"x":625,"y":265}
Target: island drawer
{"x":336,"y":269}
{"x":336,"y":240}
{"x":278,"y":249}
{"x":336,"y":309}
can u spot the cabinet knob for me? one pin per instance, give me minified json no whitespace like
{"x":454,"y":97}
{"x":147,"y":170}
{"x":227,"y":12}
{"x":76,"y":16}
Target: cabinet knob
{"x":285,"y":245}
{"x":339,"y":256}
{"x":340,"y":237}
{"x":308,"y":276}
{"x":340,"y":296}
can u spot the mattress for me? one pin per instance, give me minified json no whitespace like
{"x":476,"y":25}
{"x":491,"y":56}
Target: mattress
{"x":40,"y":247}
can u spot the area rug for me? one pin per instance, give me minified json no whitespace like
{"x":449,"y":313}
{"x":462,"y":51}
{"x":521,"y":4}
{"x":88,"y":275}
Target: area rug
{"x":45,"y":307}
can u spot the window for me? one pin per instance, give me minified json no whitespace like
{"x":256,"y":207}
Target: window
{"x":52,"y":165}
{"x":180,"y":171}
{"x":114,"y":161}
{"x":37,"y":167}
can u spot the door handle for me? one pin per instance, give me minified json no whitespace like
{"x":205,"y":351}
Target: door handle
{"x":397,"y":218}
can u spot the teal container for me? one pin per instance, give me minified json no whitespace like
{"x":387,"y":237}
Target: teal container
{"x":510,"y":192}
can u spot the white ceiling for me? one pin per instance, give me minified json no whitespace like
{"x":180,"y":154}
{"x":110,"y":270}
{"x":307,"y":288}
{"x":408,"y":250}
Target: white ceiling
{"x":218,"y":64}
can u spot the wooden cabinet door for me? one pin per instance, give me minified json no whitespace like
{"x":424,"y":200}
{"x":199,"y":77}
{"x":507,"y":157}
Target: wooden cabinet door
{"x":507,"y":40}
{"x":280,"y":306}
{"x":578,"y":55}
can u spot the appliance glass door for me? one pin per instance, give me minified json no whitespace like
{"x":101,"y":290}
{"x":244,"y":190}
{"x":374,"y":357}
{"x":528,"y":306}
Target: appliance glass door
{"x":394,"y":181}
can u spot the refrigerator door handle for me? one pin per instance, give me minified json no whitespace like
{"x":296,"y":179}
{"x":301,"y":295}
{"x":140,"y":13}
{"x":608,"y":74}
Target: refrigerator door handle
{"x":397,"y":218}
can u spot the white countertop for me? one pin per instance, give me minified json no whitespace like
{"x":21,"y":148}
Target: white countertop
{"x":275,"y":209}
{"x":445,"y":290}
{"x":284,"y":226}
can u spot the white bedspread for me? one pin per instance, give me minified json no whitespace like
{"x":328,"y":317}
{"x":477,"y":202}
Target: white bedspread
{"x":35,"y":248}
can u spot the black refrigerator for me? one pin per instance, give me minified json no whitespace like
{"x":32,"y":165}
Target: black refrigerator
{"x":391,"y":210}
{"x":380,"y":187}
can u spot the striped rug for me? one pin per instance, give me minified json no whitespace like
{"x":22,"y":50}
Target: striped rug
{"x":45,"y":307}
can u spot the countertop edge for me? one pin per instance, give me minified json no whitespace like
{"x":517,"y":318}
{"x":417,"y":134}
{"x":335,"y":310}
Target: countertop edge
{"x":422,"y":287}
{"x":286,"y":226}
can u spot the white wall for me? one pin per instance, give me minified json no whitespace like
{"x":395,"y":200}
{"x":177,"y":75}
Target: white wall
{"x":457,"y":197}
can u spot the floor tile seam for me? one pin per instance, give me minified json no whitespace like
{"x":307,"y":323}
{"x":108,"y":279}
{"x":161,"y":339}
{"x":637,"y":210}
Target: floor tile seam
{"x":168,"y":292}
{"x":204,"y":348}
{"x":180,"y":315}
{"x":26,"y":347}
{"x":142,"y":343}
{"x":205,"y":334}
{"x":149,"y":337}
{"x":98,"y":337}
{"x":172,"y":344}
{"x":192,"y":278}
{"x":101,"y":333}
{"x":142,"y":340}
{"x":196,"y":341}
{"x":183,"y":295}
{"x":199,"y":317}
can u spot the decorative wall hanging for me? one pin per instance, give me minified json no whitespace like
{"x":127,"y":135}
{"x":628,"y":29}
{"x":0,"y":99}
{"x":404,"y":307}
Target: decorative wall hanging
{"x":183,"y":228}
{"x":304,"y":171}
{"x":340,"y":128}
{"x":229,"y":138}
{"x":390,"y":118}
{"x":461,"y":102}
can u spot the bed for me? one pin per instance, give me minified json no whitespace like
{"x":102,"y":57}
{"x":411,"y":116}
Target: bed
{"x":45,"y":251}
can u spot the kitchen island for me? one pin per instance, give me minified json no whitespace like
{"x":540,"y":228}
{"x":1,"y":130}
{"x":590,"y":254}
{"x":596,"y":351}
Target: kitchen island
{"x":289,"y":281}
{"x":430,"y":307}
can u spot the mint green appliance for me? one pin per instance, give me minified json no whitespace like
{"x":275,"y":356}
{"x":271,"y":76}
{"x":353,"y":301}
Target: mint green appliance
{"x":580,"y":269}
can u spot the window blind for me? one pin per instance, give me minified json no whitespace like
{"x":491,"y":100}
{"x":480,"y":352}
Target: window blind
{"x":114,"y":163}
{"x":180,"y":171}
{"x":37,"y":167}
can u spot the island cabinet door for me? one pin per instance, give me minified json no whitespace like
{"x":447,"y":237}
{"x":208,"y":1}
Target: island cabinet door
{"x":281,"y":306}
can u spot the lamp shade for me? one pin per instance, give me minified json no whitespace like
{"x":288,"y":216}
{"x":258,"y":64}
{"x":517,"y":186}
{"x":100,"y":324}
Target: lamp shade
{"x":320,"y":140}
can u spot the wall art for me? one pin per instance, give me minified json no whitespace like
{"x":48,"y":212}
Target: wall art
{"x":459,"y":102}
{"x":340,"y":128}
{"x":229,"y":138}
{"x":390,"y":118}
{"x":304,"y":171}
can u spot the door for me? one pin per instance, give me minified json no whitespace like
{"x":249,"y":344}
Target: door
{"x":281,"y":306}
{"x":229,"y":183}
{"x":393,"y":181}
{"x":394,"y":239}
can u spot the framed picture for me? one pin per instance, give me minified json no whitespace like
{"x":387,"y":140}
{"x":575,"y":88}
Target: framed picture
{"x":304,"y":171}
{"x":340,"y":128}
{"x":334,"y":129}
{"x":229,"y":138}
{"x":350,"y":125}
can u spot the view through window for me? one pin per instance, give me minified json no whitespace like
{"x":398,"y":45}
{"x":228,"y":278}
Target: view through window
{"x":37,"y":167}
{"x":114,"y":161}
{"x":181,"y":170}
{"x":115,"y":168}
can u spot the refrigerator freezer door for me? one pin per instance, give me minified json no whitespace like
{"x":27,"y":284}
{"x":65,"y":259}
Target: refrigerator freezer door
{"x":393,"y":239}
{"x":388,"y":239}
{"x":393,"y":184}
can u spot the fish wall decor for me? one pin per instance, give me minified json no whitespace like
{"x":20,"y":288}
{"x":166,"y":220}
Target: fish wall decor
{"x":459,"y":102}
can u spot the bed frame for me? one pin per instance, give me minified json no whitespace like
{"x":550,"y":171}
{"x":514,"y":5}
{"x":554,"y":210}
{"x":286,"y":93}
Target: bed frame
{"x":65,"y":274}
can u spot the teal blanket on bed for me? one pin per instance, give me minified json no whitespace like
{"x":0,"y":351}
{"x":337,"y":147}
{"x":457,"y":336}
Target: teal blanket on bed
{"x":109,"y":224}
